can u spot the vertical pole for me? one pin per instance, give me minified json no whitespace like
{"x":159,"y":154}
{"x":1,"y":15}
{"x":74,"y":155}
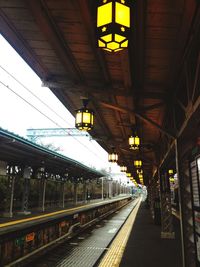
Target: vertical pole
{"x":63,"y":195}
{"x":75,"y":192}
{"x":102,"y":188}
{"x":153,"y":193}
{"x":166,"y":211}
{"x":180,"y":203}
{"x":43,"y":194}
{"x":110,"y":189}
{"x":25,"y":196}
{"x":11,"y":197}
{"x":185,"y":206}
{"x":185,"y":203}
{"x":107,"y":189}
{"x":10,"y":192}
{"x":26,"y":177}
{"x":84,"y":192}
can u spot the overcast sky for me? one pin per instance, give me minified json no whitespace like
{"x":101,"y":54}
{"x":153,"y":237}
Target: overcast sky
{"x":17,"y":116}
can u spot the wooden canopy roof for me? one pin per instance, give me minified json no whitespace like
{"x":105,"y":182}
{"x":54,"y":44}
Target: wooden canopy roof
{"x":138,"y":85}
{"x":16,"y":150}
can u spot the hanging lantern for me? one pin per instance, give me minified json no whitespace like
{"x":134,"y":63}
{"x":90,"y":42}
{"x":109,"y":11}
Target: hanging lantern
{"x":134,"y":142}
{"x":139,"y":171}
{"x":84,"y":117}
{"x":113,"y":157}
{"x":171,"y":176}
{"x":138,"y":163}
{"x":123,"y":168}
{"x":140,"y":176}
{"x":113,"y":24}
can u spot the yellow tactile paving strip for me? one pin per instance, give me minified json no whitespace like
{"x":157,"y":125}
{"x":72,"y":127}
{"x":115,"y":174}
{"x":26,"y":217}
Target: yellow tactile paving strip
{"x":114,"y":254}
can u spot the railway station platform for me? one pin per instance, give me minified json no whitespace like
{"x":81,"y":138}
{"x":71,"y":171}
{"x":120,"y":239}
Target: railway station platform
{"x":52,"y":211}
{"x":144,"y":245}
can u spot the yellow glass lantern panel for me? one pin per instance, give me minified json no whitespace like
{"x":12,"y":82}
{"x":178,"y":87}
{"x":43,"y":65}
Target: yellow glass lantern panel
{"x":92,"y":119}
{"x":86,"y":117}
{"x":79,"y":117}
{"x":104,"y":14}
{"x":119,"y":38}
{"x":113,"y":46}
{"x":107,"y":38}
{"x":113,"y":157}
{"x":101,"y":44}
{"x":125,"y":44}
{"x":122,"y":14}
{"x":137,"y":140}
{"x":137,"y":163}
{"x":123,"y":168}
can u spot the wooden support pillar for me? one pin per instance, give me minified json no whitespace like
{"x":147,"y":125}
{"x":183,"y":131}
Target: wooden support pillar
{"x":167,"y":229}
{"x":153,"y":192}
{"x":185,"y":206}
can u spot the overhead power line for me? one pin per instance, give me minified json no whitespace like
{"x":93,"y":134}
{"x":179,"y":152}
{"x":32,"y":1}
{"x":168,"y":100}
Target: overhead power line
{"x":47,"y":117}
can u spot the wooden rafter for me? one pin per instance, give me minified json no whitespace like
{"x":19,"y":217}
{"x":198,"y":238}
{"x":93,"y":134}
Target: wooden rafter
{"x":51,"y":31}
{"x":139,"y":115}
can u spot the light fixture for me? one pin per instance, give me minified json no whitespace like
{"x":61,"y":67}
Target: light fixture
{"x":139,"y":171}
{"x":134,"y":142}
{"x":138,"y":163}
{"x":171,"y":176}
{"x":113,"y":24}
{"x":123,"y":168}
{"x":113,"y":157}
{"x":84,"y":117}
{"x":140,"y":176}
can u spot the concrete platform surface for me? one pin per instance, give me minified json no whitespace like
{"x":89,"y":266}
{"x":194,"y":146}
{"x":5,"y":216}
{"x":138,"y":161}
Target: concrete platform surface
{"x":145,"y":248}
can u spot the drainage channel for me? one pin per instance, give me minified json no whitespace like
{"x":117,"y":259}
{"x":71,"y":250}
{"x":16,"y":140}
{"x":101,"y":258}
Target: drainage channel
{"x":86,"y":249}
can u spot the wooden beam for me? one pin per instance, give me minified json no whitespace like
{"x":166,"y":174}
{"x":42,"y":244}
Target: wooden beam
{"x":139,"y":115}
{"x":55,"y":38}
{"x":154,"y":106}
{"x":14,"y":38}
{"x":196,"y":78}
